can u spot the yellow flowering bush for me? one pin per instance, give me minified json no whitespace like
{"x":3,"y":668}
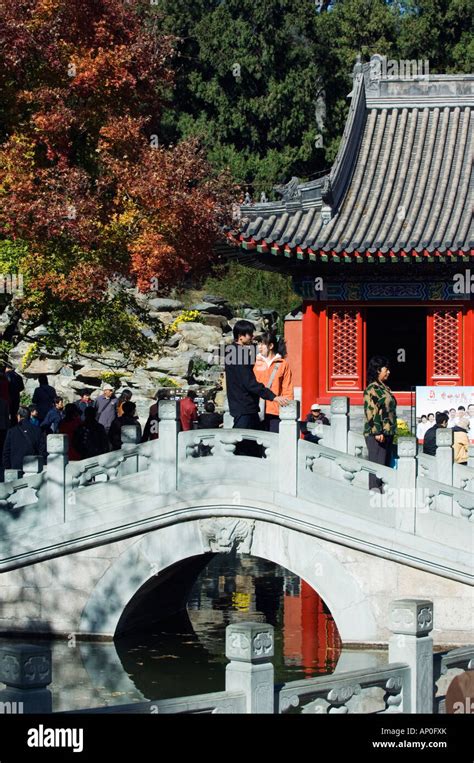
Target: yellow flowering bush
{"x":112,"y":378}
{"x":165,"y":381}
{"x":403,"y":430}
{"x":29,"y":355}
{"x":185,"y":316}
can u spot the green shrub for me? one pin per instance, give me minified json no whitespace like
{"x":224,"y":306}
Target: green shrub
{"x":199,"y":366}
{"x":25,"y":399}
{"x":165,"y":381}
{"x":112,"y":378}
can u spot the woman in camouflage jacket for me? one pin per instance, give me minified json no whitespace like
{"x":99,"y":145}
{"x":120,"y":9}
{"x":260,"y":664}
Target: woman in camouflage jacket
{"x":380,"y":411}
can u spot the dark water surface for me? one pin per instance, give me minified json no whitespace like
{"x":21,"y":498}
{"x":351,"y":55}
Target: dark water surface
{"x":160,"y":665}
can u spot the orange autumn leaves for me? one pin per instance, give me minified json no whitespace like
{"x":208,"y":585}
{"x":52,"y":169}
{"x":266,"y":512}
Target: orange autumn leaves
{"x":83,"y":179}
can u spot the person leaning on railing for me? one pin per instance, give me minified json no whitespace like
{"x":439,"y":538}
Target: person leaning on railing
{"x":380,"y":411}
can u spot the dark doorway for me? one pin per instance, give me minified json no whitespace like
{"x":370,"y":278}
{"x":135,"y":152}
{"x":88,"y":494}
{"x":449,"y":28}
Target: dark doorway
{"x":400,"y":334}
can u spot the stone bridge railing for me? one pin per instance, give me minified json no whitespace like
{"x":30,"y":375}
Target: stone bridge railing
{"x":63,"y":506}
{"x":407,"y":684}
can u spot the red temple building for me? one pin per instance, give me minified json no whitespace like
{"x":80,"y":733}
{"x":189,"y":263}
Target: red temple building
{"x":380,"y":249}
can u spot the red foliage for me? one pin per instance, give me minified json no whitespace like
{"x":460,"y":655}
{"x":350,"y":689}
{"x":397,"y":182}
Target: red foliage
{"x":83,"y":83}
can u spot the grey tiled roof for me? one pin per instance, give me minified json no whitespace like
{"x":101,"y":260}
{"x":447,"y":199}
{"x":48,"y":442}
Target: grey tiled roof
{"x":401,"y":185}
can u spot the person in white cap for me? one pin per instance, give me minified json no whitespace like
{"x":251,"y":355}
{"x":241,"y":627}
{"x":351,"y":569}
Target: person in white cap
{"x":106,"y":407}
{"x":315,"y":415}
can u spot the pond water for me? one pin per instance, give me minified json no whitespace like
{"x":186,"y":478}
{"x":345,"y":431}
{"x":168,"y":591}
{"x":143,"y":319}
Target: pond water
{"x":160,"y":664}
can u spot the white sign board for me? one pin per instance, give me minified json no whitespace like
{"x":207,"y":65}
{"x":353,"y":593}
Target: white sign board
{"x":429,"y":400}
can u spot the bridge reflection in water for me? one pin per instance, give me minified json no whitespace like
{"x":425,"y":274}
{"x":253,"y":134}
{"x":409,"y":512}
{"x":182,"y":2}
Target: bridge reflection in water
{"x":230,"y":589}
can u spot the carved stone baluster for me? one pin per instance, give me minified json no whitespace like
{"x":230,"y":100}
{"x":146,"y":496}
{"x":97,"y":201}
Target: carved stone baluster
{"x":340,"y":423}
{"x":470,"y":456}
{"x":411,"y":621}
{"x":26,"y":671}
{"x":349,"y":469}
{"x":10,"y":475}
{"x":288,"y":448}
{"x":228,"y":419}
{"x":167,"y":462}
{"x":339,"y":697}
{"x":57,"y":445}
{"x":406,"y":484}
{"x":250,"y":647}
{"x":466,"y":505}
{"x":229,"y":443}
{"x":130,"y":439}
{"x":444,"y":467}
{"x":393,"y":695}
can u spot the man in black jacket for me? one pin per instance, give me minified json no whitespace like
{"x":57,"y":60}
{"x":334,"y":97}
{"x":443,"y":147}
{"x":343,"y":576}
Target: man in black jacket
{"x":23,"y":440}
{"x":15,"y":388}
{"x":429,"y":442}
{"x":243,"y":389}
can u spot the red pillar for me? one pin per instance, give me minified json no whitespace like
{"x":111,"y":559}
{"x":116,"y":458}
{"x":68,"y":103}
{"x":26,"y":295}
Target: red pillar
{"x":309,"y":627}
{"x":468,"y":347}
{"x":310,"y":370}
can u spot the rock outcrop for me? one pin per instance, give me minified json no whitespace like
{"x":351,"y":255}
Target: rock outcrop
{"x":190,"y":355}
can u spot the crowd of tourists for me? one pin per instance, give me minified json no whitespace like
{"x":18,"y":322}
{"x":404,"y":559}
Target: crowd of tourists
{"x":93,"y":427}
{"x":460,"y":420}
{"x":258,"y":383}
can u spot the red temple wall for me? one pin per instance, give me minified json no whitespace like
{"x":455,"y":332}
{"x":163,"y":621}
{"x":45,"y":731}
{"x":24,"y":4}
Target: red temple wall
{"x":310,"y":345}
{"x":293,"y":339}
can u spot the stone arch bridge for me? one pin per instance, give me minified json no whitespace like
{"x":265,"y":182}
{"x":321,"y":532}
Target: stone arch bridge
{"x":109,"y":544}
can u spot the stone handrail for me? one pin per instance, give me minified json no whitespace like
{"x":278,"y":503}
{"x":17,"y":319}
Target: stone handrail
{"x":348,"y":465}
{"x":213,"y":703}
{"x":426,"y":465}
{"x":457,"y":659}
{"x":461,"y":502}
{"x":356,"y":444}
{"x":334,"y":692}
{"x":116,"y":463}
{"x":69,"y":500}
{"x":463,"y":477}
{"x":408,"y":680}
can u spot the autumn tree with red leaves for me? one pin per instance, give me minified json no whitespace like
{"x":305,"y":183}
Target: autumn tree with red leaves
{"x":86,"y":190}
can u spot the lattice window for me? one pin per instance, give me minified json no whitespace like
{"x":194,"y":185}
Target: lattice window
{"x":344,"y":343}
{"x":446,"y":339}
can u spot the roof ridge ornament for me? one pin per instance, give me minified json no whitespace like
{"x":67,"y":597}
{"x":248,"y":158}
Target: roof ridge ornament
{"x":326,"y":191}
{"x":289,"y":191}
{"x":373,"y":73}
{"x":328,"y":200}
{"x":358,"y":67}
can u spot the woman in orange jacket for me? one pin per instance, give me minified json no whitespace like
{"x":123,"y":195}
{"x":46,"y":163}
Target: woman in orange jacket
{"x":273,"y":370}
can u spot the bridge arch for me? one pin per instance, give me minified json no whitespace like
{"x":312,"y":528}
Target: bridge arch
{"x":152,"y":557}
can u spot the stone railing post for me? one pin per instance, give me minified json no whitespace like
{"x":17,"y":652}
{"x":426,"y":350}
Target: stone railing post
{"x":26,"y":671}
{"x":32,"y":465}
{"x":57,"y":447}
{"x":444,"y":466}
{"x":228,"y":419}
{"x":250,"y":647}
{"x":288,"y":447}
{"x":10,"y":475}
{"x":470,"y":456}
{"x":130,"y":439}
{"x":411,"y":621}
{"x":339,"y":420}
{"x":168,"y":414}
{"x":406,"y":481}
